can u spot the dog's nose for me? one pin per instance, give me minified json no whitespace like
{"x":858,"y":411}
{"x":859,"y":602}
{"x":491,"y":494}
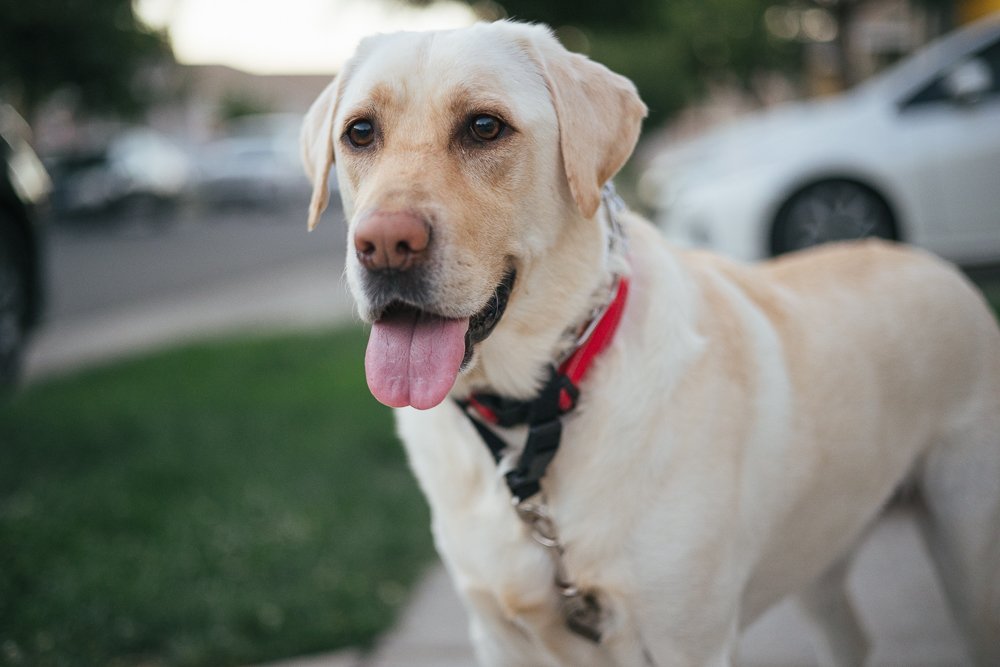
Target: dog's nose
{"x":391,"y":240}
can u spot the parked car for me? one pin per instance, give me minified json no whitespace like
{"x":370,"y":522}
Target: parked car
{"x":257,"y":163}
{"x":24,"y":185}
{"x":139,"y":172}
{"x":913,"y":155}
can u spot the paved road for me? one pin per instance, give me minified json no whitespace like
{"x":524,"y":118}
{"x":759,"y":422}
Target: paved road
{"x":116,"y":289}
{"x":102,"y":265}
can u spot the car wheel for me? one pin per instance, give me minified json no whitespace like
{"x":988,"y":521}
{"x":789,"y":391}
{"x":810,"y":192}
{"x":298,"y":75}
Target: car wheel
{"x":13,"y":291}
{"x":831,"y":211}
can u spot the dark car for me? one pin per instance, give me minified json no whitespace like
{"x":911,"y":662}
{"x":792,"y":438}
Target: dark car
{"x":137,"y":173}
{"x":24,"y":185}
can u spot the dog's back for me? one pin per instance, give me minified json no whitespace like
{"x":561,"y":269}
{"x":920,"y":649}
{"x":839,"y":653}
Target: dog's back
{"x":923,"y":360}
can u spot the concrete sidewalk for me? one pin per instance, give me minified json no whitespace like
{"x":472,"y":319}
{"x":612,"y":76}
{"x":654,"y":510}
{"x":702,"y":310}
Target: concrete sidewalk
{"x":892,"y":582}
{"x":306,"y":294}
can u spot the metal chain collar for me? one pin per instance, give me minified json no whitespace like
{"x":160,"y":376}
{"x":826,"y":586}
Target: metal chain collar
{"x":582,"y":610}
{"x":617,"y":244}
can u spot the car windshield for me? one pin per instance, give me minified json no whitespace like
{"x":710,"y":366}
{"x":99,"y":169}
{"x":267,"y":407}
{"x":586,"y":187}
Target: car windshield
{"x":914,"y":71}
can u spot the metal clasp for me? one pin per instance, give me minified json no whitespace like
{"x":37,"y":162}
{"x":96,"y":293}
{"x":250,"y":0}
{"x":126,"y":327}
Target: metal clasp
{"x":543,"y":529}
{"x":615,"y":206}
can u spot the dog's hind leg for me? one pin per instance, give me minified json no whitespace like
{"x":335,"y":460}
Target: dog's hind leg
{"x":840,"y":637}
{"x":960,"y":486}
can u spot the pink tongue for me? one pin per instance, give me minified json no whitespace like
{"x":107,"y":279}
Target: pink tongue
{"x":414,"y":358}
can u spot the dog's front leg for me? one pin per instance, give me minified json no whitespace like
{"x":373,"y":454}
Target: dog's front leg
{"x":540,"y":639}
{"x":498,"y":641}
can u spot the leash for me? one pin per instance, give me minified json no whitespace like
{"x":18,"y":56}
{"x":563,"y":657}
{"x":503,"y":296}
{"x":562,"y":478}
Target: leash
{"x":542,"y":414}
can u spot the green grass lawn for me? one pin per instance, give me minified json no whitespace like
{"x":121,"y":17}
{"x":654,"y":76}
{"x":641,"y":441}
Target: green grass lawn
{"x":218,"y":504}
{"x":989,"y":283}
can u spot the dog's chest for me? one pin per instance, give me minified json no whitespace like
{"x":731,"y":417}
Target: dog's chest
{"x":488,"y":553}
{"x":488,"y":548}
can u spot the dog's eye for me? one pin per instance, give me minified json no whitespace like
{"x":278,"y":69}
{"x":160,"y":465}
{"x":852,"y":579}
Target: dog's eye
{"x":361,"y":133}
{"x":486,"y":127}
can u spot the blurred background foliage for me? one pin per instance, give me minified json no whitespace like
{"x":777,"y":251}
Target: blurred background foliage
{"x":97,"y":51}
{"x":671,"y":50}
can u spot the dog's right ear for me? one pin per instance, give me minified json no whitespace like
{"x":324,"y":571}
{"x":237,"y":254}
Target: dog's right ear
{"x":317,"y":148}
{"x":599,"y":112}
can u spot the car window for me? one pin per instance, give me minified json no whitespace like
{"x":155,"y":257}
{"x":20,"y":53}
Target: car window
{"x":937,"y":91}
{"x":991,"y":56}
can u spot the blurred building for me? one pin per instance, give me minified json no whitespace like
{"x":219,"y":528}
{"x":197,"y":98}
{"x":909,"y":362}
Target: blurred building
{"x":213,"y":94}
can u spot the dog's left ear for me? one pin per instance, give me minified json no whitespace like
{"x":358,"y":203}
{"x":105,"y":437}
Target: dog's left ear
{"x":316,"y":142}
{"x":600,"y":115}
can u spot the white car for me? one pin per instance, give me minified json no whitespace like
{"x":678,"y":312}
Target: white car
{"x":913,"y":155}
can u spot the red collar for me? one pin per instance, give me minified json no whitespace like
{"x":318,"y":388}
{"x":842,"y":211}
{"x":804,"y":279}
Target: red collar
{"x":598,"y":336}
{"x":579,"y":362}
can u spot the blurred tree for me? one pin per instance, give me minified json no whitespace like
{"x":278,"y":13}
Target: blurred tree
{"x":95,"y":48}
{"x":675,"y":49}
{"x":728,"y":41}
{"x":672,"y":49}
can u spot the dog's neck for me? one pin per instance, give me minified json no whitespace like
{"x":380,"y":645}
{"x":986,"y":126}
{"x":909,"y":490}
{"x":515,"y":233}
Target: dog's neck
{"x":549,"y":311}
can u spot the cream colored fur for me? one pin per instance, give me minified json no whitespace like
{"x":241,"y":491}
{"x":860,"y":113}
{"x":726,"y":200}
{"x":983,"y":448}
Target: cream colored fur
{"x":745,"y":427}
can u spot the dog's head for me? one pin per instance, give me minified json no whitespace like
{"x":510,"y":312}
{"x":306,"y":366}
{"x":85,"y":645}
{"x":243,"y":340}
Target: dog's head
{"x":459,"y":157}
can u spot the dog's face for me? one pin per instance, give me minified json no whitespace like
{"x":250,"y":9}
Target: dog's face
{"x":459,"y":154}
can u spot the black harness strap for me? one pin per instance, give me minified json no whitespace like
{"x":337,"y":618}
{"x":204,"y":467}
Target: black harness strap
{"x":541,"y":414}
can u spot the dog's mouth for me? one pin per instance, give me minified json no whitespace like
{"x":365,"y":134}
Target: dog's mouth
{"x":481,"y":324}
{"x":414,"y":355}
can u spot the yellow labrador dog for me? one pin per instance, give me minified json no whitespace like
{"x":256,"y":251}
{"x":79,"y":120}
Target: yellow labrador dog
{"x":725,"y":434}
